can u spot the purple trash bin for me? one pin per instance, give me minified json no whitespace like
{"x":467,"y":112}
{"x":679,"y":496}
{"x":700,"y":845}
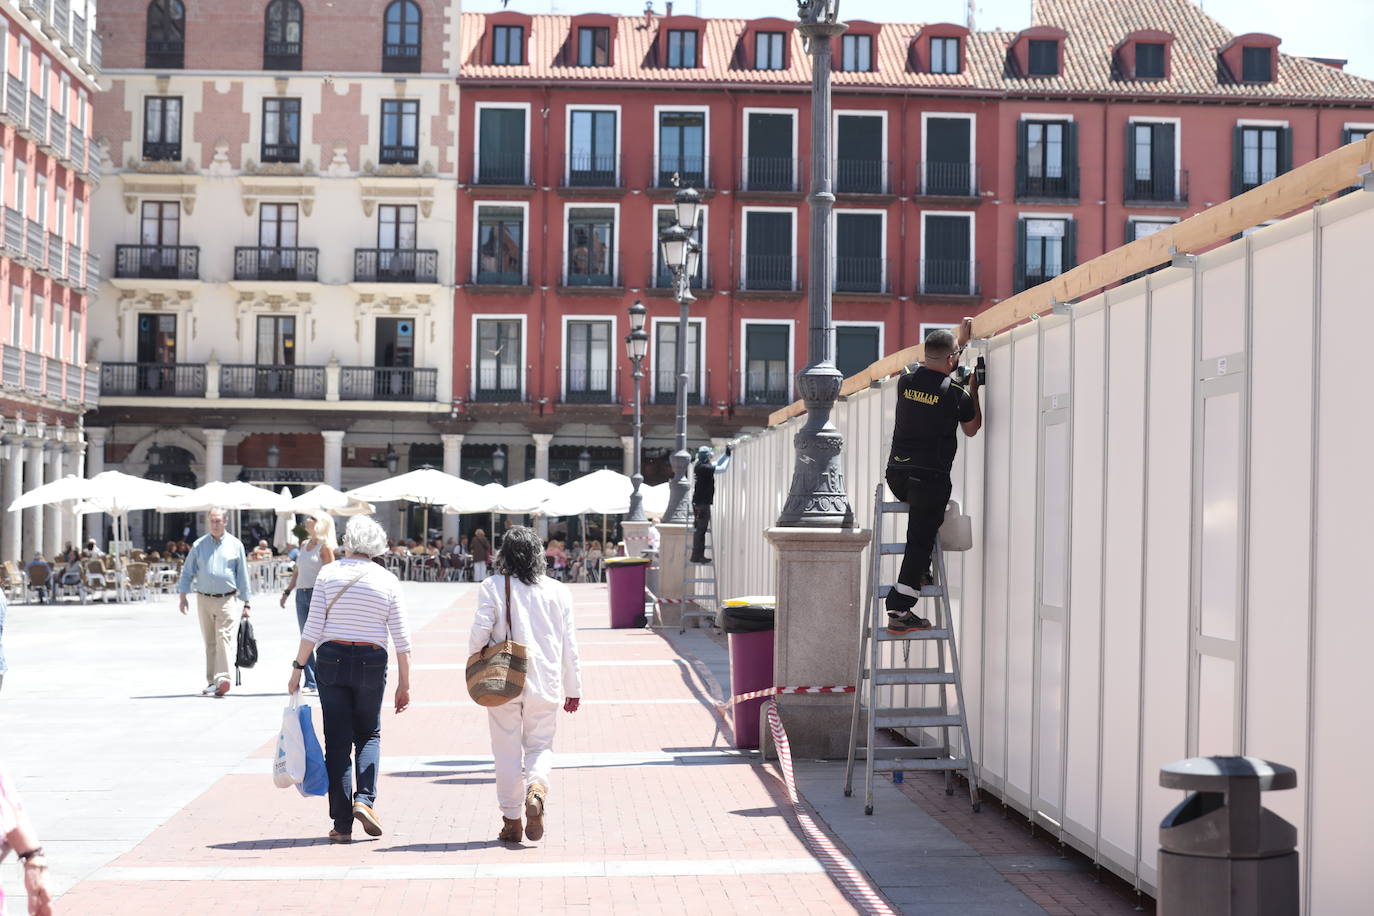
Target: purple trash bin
{"x":626,"y":575}
{"x":749,"y":629}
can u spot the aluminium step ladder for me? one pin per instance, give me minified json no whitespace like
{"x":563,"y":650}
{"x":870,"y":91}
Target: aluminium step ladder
{"x":698,"y":604}
{"x":874,"y":678}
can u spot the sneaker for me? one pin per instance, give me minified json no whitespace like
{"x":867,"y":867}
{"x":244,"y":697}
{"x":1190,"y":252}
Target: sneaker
{"x":368,"y":818}
{"x":310,"y":691}
{"x":534,"y":812}
{"x":208,"y":690}
{"x":697,"y":560}
{"x":222,"y":687}
{"x":906,"y":622}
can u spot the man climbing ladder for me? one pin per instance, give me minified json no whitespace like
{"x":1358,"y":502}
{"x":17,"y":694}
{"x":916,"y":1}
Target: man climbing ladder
{"x":929,"y":407}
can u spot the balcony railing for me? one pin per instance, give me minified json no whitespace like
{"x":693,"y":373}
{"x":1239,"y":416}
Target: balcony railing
{"x":55,"y":248}
{"x":78,"y":152}
{"x":165,"y":55}
{"x":281,"y":152}
{"x":74,"y":267}
{"x":507,"y":169}
{"x":79,"y":33}
{"x":33,"y":372}
{"x":34,"y":240}
{"x":158,"y":151}
{"x":384,"y":383}
{"x":663,"y":279}
{"x":692,"y":171}
{"x":1023,"y":278}
{"x":97,"y":50}
{"x":290,"y":264}
{"x":943,"y":277}
{"x":589,"y":386}
{"x":61,"y":16}
{"x":593,"y":171}
{"x":281,"y":55}
{"x":92,"y":272}
{"x":1249,"y":179}
{"x":400,"y":58}
{"x":57,"y":134}
{"x":52,"y":378}
{"x":259,"y":381}
{"x":861,"y":176}
{"x":1061,"y":186}
{"x":395,"y":265}
{"x":860,"y":275}
{"x":948,"y":179}
{"x":761,"y":389}
{"x":399,"y":154}
{"x":157,"y":262}
{"x":15,"y":98}
{"x":768,"y":173}
{"x":12,"y":368}
{"x":38,"y":117}
{"x":1144,"y":186}
{"x":498,"y":384}
{"x":767,"y":272}
{"x":665,"y":387}
{"x":14,"y":232}
{"x":75,"y":388}
{"x":168,"y":380}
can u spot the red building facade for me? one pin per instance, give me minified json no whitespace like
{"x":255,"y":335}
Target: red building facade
{"x":967,"y":166}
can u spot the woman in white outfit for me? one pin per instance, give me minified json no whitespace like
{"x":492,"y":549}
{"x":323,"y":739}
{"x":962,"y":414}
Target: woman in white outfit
{"x":522,"y":730}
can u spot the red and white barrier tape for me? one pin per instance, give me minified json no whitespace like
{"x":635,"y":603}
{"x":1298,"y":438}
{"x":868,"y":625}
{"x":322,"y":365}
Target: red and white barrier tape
{"x":837,"y":865}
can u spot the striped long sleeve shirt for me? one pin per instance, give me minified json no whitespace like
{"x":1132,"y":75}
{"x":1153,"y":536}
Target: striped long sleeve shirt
{"x":370,"y":609}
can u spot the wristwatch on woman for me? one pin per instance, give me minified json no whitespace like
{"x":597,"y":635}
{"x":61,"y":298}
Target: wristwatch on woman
{"x":297,"y":665}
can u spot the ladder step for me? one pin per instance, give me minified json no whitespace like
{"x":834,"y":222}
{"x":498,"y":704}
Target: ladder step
{"x":927,"y":591}
{"x":919,"y":763}
{"x":916,"y":717}
{"x":937,"y":633}
{"x":903,"y":676}
{"x":889,"y":752}
{"x":892,"y":507}
{"x":895,"y":548}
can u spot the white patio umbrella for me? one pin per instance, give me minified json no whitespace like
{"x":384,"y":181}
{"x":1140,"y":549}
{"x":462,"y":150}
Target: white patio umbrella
{"x":69,"y":487}
{"x":603,"y":492}
{"x":326,"y":500}
{"x":221,"y":494}
{"x":111,"y":492}
{"x":426,"y":487}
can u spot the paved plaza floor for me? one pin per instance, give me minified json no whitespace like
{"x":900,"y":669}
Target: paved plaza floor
{"x":152,"y":799}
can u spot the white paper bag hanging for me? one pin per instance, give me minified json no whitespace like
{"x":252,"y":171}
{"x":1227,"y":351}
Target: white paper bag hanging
{"x":288,"y":767}
{"x":956,"y":532}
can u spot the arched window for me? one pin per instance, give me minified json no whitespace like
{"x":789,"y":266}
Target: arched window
{"x":401,"y":39}
{"x":281,"y":45}
{"x":165,"y":46}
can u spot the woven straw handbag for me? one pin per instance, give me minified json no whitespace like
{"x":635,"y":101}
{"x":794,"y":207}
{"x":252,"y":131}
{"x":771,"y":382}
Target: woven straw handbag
{"x":496,"y":674}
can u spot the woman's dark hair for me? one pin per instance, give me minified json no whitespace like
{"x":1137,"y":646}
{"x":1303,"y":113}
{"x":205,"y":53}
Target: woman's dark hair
{"x":522,"y":554}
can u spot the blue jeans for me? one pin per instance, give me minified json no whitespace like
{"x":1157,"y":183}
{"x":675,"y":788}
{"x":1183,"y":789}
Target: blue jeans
{"x":303,"y":612}
{"x":351,"y":680}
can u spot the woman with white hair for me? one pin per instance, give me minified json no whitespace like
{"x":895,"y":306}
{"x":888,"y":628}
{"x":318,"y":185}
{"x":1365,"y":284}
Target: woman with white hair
{"x":356,"y":605}
{"x":540,"y":615}
{"x":315,"y":554}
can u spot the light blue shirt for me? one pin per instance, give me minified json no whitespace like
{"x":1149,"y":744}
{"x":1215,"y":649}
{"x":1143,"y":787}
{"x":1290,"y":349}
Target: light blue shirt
{"x":215,"y":567}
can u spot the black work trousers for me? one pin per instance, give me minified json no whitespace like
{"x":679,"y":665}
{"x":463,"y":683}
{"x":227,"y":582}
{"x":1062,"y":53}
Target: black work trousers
{"x":926,"y":493}
{"x":701,"y":519}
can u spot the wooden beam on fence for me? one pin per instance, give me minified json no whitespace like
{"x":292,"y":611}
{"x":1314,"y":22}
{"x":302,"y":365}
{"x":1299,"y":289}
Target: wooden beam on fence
{"x":1286,"y":194}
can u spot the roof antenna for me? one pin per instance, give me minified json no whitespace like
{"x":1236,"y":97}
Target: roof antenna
{"x":968,"y":16}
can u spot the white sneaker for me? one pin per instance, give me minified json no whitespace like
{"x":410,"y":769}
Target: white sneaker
{"x":310,"y":691}
{"x":208,"y":690}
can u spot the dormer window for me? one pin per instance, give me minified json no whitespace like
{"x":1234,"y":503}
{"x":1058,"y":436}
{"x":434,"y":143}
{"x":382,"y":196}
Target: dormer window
{"x":856,"y":53}
{"x":944,"y":55}
{"x":768,"y":51}
{"x":593,"y":46}
{"x":1149,"y":60}
{"x":682,"y":48}
{"x":1257,"y":65}
{"x":1044,"y":57}
{"x":508,"y":45}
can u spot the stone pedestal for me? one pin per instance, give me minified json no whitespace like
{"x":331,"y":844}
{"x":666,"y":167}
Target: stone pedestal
{"x":820,"y":589}
{"x":636,"y":537}
{"x":673,"y":542}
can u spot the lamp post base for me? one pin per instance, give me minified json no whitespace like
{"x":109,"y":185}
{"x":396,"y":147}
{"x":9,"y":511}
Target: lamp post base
{"x":817,"y":497}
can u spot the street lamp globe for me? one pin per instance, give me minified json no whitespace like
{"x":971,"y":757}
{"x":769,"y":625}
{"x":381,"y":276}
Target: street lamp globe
{"x":687,"y":203}
{"x":637,"y":345}
{"x":584,"y":461}
{"x":498,"y":460}
{"x":674,"y":241}
{"x":638,"y":313}
{"x":693,"y":259}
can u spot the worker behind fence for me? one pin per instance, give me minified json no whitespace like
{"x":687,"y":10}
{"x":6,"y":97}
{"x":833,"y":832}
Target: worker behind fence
{"x":703,"y":495}
{"x":929,"y":407}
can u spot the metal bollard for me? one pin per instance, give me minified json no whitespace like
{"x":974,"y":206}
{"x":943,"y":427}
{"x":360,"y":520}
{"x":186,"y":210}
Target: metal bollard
{"x":1222,"y":853}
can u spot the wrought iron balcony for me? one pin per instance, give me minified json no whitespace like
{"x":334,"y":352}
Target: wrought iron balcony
{"x":860,"y":275}
{"x":1145,"y":186}
{"x":498,"y":384}
{"x":164,"y":55}
{"x":281,"y":55}
{"x":760,"y":389}
{"x":506,"y":169}
{"x":395,"y":265}
{"x":55,"y":249}
{"x":38,"y":117}
{"x":34,"y":239}
{"x":168,"y":380}
{"x":288,"y":264}
{"x":948,"y":179}
{"x":158,"y":151}
{"x":157,"y":262}
{"x":691,"y":171}
{"x":399,"y":154}
{"x":385,"y":383}
{"x":400,"y":58}
{"x":74,"y":267}
{"x":768,"y":272}
{"x":589,"y":386}
{"x":769,"y":173}
{"x":665,"y":387}
{"x":593,"y":171}
{"x":943,"y":277}
{"x":663,"y":279}
{"x":1056,"y":184}
{"x":861,"y":176}
{"x":260,"y":381}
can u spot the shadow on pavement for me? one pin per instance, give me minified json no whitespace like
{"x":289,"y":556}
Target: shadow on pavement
{"x":455,"y":847}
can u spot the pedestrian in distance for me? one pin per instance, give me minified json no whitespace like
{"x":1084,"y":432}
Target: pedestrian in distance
{"x":522,"y":729}
{"x":4,"y":608}
{"x":356,"y":605}
{"x":17,"y":835}
{"x":704,"y":495}
{"x":216,"y":569}
{"x":481,"y":554}
{"x":930,"y":408}
{"x":316,"y":553}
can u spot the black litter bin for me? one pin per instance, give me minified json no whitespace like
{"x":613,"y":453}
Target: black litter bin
{"x":748,"y":624}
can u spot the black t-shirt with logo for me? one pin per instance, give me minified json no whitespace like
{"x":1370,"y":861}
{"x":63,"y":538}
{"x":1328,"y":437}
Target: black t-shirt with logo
{"x":930,"y":407}
{"x":704,"y":493}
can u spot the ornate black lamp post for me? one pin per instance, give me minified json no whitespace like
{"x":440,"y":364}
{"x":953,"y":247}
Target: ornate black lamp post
{"x":680,"y":255}
{"x":637,"y":347}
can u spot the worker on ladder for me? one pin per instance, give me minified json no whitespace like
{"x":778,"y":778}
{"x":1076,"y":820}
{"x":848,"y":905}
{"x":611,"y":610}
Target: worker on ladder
{"x":703,"y":495}
{"x":929,"y":407}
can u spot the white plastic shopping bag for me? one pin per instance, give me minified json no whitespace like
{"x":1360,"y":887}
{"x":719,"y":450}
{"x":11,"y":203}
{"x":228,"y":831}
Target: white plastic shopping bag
{"x":288,"y":767}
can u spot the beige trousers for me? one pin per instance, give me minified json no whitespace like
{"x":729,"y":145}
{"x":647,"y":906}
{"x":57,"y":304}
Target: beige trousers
{"x":217,"y":629}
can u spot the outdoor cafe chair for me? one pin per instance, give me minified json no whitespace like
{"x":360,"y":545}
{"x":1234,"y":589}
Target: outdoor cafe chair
{"x":38,"y":581}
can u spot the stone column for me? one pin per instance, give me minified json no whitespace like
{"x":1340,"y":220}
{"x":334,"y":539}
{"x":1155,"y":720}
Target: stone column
{"x":33,"y":517}
{"x":11,"y":485}
{"x":453,"y":464}
{"x":820,"y":596}
{"x":96,"y":437}
{"x":541,"y":471}
{"x":53,"y":521}
{"x":627,"y":446}
{"x":75,"y":530}
{"x":214,"y":454}
{"x":333,"y":457}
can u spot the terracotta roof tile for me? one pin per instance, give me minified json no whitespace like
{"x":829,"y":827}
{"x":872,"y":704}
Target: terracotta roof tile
{"x":1095,"y":28}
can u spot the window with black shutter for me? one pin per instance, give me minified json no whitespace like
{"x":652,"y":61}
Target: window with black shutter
{"x":508,"y":45}
{"x":1044,"y":57}
{"x":1257,"y":65}
{"x":859,"y":164}
{"x":1260,"y":154}
{"x":859,"y":252}
{"x":501,"y":146}
{"x":765,"y":364}
{"x":1150,"y":171}
{"x":948,"y":169}
{"x":947,"y":267}
{"x":769,"y":162}
{"x":1045,"y":249}
{"x":663,"y":277}
{"x":768,"y":248}
{"x":1047,"y":160}
{"x":856,"y":348}
{"x":1149,"y":60}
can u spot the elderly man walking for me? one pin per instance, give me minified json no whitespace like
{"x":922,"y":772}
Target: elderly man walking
{"x":217,"y":570}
